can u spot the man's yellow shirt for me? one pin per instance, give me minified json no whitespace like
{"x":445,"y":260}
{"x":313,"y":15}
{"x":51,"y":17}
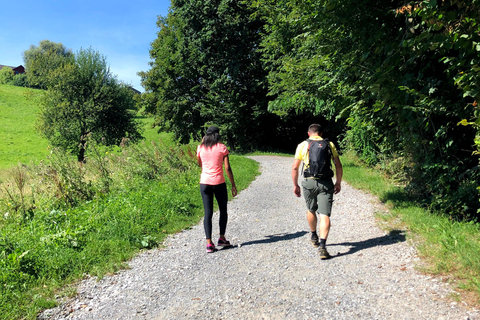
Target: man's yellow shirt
{"x":302,"y":150}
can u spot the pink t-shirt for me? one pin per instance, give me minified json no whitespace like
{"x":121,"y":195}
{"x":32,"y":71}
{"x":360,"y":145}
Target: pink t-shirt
{"x":212,"y":163}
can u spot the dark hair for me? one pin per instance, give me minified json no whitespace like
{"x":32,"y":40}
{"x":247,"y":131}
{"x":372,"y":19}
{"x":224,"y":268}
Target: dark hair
{"x":212,"y":137}
{"x":315,"y":128}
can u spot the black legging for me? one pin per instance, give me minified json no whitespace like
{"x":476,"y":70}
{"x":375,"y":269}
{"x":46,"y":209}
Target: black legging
{"x":220,"y":191}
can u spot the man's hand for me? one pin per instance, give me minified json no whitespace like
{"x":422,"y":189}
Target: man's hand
{"x":296,"y":191}
{"x":296,"y":187}
{"x":337,"y":188}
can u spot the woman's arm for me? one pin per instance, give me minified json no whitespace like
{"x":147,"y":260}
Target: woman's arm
{"x":199,"y":161}
{"x":228,"y":170}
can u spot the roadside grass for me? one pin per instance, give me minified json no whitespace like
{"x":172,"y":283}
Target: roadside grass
{"x":262,"y":153}
{"x":60,"y":222}
{"x":450,"y":249}
{"x":19,"y":141}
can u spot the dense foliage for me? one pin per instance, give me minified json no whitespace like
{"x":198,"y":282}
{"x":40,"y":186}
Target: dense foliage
{"x":402,"y":75}
{"x":83,"y":98}
{"x":207,"y":69}
{"x":397,"y":80}
{"x":41,"y":60}
{"x":6,"y":75}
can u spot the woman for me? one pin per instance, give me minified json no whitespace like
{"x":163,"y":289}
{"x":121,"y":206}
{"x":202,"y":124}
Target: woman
{"x":211,"y":156}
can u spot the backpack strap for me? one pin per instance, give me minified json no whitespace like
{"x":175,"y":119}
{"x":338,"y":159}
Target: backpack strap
{"x":308,"y":151}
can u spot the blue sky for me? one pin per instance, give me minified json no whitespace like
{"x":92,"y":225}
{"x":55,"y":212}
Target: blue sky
{"x":120,"y":30}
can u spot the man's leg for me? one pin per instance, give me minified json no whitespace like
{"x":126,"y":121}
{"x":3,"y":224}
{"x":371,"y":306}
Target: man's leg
{"x":325,"y":201}
{"x":312,"y":220}
{"x":310,"y":192}
{"x":324,"y":226}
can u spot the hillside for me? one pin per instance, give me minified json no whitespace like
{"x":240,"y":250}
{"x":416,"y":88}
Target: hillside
{"x":20,"y":142}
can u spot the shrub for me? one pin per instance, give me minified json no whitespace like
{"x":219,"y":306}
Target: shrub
{"x":6,"y":75}
{"x":20,"y":80}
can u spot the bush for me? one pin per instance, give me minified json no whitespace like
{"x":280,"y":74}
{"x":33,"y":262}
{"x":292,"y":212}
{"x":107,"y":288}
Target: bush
{"x":6,"y":75}
{"x":20,"y":80}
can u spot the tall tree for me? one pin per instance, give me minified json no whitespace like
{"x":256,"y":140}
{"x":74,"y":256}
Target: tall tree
{"x":86,"y":99}
{"x":402,"y":74}
{"x":206,"y":69}
{"x":41,"y":60}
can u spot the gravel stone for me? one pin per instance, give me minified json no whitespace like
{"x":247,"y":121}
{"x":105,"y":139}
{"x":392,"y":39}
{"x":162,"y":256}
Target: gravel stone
{"x":273,"y":271}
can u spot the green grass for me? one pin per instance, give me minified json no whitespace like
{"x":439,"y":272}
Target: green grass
{"x":261,"y":153}
{"x":151,"y":134}
{"x":449,"y":248}
{"x":20,"y":143}
{"x":43,"y":254}
{"x":47,"y":244}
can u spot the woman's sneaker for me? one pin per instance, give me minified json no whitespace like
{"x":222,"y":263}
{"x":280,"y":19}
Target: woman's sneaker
{"x":211,"y":248}
{"x":223,"y":243}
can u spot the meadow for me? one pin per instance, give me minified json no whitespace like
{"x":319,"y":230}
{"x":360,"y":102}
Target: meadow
{"x":19,"y":141}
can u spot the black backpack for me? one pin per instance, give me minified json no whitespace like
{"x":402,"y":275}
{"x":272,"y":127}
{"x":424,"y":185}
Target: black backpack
{"x":320,"y":157}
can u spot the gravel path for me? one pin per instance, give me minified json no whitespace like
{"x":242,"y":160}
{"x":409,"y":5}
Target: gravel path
{"x":273,"y":272}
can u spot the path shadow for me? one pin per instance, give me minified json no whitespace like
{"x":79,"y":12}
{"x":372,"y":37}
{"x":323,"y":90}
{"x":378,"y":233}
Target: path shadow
{"x":276,"y":237}
{"x":392,"y":237}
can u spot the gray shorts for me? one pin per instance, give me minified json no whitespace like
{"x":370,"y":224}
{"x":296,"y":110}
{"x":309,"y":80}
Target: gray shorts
{"x":318,"y":194}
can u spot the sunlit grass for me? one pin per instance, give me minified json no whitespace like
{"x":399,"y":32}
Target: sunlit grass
{"x":449,"y":248}
{"x":19,"y":141}
{"x":59,"y":243}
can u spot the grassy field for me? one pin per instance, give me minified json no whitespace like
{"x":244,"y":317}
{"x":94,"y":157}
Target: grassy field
{"x":19,"y":141}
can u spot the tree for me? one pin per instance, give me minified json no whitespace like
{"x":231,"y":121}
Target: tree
{"x":6,"y":75}
{"x":403,"y":75}
{"x":42,"y":60}
{"x":206,"y":69}
{"x":87,"y":100}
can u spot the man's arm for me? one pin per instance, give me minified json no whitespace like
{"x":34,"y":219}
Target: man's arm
{"x":338,"y":174}
{"x":296,"y":187}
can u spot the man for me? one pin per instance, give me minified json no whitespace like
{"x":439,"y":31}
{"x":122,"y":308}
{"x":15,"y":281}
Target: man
{"x":317,"y":184}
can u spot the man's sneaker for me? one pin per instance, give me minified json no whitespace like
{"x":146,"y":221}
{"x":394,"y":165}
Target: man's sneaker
{"x":314,"y":240}
{"x":223,"y":243}
{"x":323,"y":254}
{"x":211,"y":248}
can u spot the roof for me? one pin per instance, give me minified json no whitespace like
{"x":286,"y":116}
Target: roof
{"x":13,"y":68}
{"x":17,"y":70}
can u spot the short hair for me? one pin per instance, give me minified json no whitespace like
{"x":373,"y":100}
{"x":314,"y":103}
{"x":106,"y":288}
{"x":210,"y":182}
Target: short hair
{"x":315,"y":128}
